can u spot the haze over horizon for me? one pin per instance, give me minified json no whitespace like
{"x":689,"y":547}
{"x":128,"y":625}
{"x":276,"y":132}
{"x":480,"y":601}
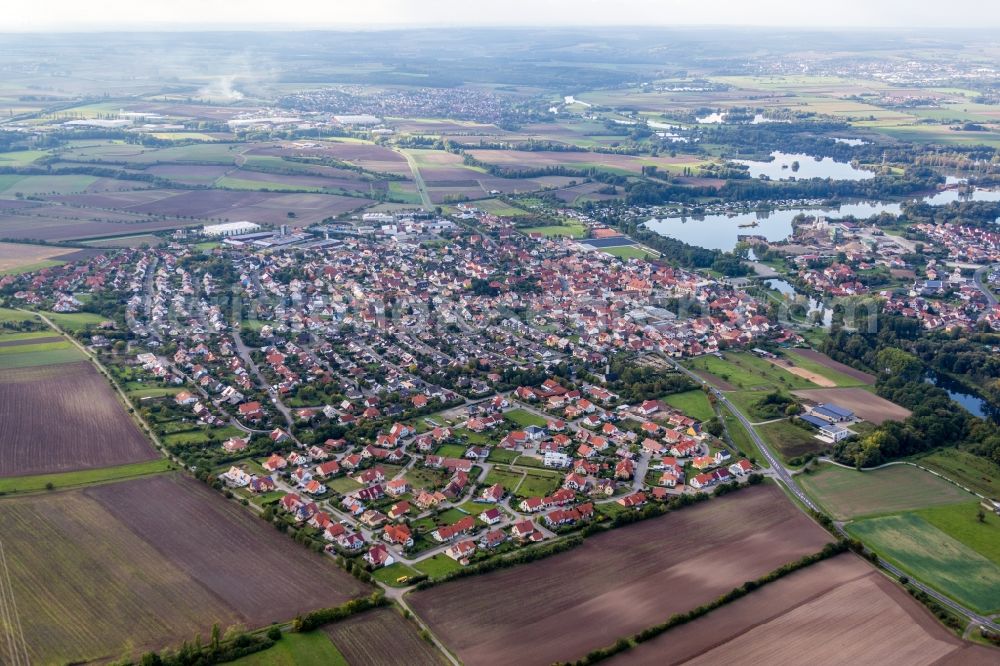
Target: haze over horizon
{"x":124,"y":15}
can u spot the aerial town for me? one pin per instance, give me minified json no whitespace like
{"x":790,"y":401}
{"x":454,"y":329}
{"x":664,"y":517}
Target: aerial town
{"x":499,"y":346}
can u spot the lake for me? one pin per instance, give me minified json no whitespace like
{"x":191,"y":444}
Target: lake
{"x":781,"y":167}
{"x":720,"y":232}
{"x":970,"y":401}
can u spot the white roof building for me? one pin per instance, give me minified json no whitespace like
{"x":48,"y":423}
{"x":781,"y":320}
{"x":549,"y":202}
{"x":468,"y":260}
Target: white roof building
{"x":230,"y":228}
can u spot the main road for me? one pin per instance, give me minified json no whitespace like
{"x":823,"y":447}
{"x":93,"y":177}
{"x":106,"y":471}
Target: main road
{"x":785,"y":477}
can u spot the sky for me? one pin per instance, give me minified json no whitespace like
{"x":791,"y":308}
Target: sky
{"x":74,"y":15}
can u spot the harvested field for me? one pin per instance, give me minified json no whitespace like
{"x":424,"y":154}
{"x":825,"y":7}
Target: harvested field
{"x":618,"y":582}
{"x":136,"y":565}
{"x":823,"y":359}
{"x":865,"y":404}
{"x":716,"y":634}
{"x":864,"y":621}
{"x":30,"y":227}
{"x":382,"y":637}
{"x":267,"y":207}
{"x":848,"y":493}
{"x":225,"y":549}
{"x":814,"y":377}
{"x":15,"y":256}
{"x":582,"y":160}
{"x":61,"y":418}
{"x":85,"y":586}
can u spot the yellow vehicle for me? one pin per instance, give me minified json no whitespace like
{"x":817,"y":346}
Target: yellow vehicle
{"x":402,"y":579}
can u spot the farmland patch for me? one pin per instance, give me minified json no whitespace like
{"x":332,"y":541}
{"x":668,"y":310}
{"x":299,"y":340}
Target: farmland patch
{"x":615,"y":583}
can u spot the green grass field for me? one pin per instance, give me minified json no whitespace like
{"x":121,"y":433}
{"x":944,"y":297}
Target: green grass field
{"x":848,"y":493}
{"x":9,"y":315}
{"x":747,"y":371}
{"x":31,"y":484}
{"x":37,"y":348}
{"x":935,"y":558}
{"x":629,"y":252}
{"x":75,"y":321}
{"x":57,"y":184}
{"x":153,"y":392}
{"x":450,"y":450}
{"x":812,"y":366}
{"x":790,"y":440}
{"x":693,"y":403}
{"x":539,"y":483}
{"x":506,"y":477}
{"x":499,"y":208}
{"x":438,"y":565}
{"x":391,"y":573}
{"x":524,"y":418}
{"x":49,"y":356}
{"x":972,"y":471}
{"x":576,"y":230}
{"x":32,"y":335}
{"x":961,"y":522}
{"x":310,"y":649}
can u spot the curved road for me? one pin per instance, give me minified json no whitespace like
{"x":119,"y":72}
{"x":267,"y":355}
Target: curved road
{"x":786,"y":478}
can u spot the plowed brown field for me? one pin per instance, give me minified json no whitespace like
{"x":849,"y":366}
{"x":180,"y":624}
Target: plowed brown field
{"x":618,"y":582}
{"x":62,"y":418}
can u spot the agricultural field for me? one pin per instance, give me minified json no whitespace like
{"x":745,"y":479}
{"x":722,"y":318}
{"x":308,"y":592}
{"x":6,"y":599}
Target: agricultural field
{"x":21,"y":257}
{"x":848,"y":493}
{"x":44,"y":482}
{"x":790,"y":440}
{"x":62,"y":418}
{"x":843,"y":375}
{"x":813,"y":611}
{"x":962,"y":523}
{"x":865,"y":404}
{"x":151,"y":562}
{"x":748,"y":372}
{"x":294,"y":649}
{"x":562,"y":607}
{"x":972,"y":471}
{"x":692,"y":403}
{"x":382,"y":637}
{"x":625,"y":164}
{"x":934,"y":557}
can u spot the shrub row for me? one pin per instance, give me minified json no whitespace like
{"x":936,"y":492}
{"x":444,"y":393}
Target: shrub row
{"x":318,"y":618}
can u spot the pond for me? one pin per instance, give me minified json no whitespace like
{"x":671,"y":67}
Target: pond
{"x":785,"y":166}
{"x":976,"y":405}
{"x":721,"y":232}
{"x":791,"y":294}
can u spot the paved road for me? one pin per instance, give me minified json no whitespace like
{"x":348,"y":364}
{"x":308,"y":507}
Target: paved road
{"x":244,"y":353}
{"x":978,"y":279}
{"x":417,"y":178}
{"x":785,"y":478}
